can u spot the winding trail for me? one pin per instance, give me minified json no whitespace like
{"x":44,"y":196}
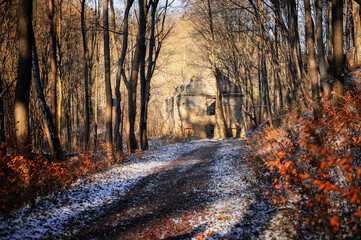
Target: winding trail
{"x":190,"y":190}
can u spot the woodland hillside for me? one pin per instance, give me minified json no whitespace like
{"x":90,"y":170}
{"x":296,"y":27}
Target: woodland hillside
{"x":87,"y":86}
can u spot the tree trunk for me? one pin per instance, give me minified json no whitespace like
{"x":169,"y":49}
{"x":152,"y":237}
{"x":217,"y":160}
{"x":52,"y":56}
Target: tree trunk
{"x":329,"y":30}
{"x":53,"y":65}
{"x":139,"y":54}
{"x":357,"y":31}
{"x":220,"y":118}
{"x":108,"y":90}
{"x":145,"y":81}
{"x":338,"y":54}
{"x":347,"y":25}
{"x":277,"y":83}
{"x":312,"y":60}
{"x":55,"y":146}
{"x":22,"y":91}
{"x":59,"y":74}
{"x":86,"y":77}
{"x":294,"y":41}
{"x":321,"y":51}
{"x":117,"y":136}
{"x":68,"y":123}
{"x":2,"y":124}
{"x":97,"y":68}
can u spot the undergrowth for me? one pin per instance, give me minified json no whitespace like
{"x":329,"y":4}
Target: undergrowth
{"x":23,"y":180}
{"x":314,"y":167}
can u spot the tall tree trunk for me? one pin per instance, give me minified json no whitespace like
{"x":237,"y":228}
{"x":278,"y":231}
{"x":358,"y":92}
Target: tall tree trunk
{"x":312,"y":59}
{"x":86,"y":76}
{"x":53,"y":65}
{"x":120,"y":71}
{"x":145,"y":80}
{"x":329,"y":30}
{"x":132,"y":85}
{"x":22,"y":91}
{"x":97,"y":68}
{"x":321,"y":50}
{"x":277,"y":85}
{"x":347,"y":25}
{"x":267,"y":101}
{"x":357,"y":31}
{"x":108,"y":90}
{"x":68,"y":116}
{"x":2,"y":123}
{"x":294,"y":41}
{"x":55,"y":146}
{"x":338,"y":54}
{"x":220,"y":118}
{"x":59,"y":74}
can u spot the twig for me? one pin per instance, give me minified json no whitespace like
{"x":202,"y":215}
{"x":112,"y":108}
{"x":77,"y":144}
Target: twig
{"x":7,"y":88}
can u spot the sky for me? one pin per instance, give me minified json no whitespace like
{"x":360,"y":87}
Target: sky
{"x":176,"y":4}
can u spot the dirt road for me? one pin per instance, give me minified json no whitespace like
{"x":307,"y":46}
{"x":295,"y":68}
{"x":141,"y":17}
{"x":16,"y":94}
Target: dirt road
{"x":191,"y":190}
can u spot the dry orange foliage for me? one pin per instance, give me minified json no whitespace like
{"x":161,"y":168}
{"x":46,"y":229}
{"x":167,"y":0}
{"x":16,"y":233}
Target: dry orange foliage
{"x":317,"y":165}
{"x":22,"y":180}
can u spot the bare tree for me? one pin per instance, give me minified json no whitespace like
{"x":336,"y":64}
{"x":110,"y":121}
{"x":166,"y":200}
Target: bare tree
{"x":146,"y":76}
{"x":53,"y":64}
{"x":86,"y":76}
{"x":108,"y":90}
{"x":338,"y":53}
{"x":321,"y":50}
{"x":221,"y":121}
{"x":22,"y":92}
{"x":357,"y":30}
{"x":312,"y":60}
{"x":121,"y":73}
{"x":139,"y":54}
{"x":54,"y":142}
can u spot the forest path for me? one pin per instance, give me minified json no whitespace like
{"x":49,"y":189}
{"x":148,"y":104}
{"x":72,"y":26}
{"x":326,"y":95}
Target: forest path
{"x":191,"y":190}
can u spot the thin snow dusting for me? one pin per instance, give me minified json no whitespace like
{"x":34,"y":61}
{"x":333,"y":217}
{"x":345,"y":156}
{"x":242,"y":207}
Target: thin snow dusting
{"x":51,"y":213}
{"x":234,"y":209}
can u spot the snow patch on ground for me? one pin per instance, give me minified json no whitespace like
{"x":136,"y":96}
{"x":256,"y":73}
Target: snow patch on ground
{"x":238,"y":210}
{"x":51,"y":214}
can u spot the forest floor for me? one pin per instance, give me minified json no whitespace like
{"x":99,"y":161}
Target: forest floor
{"x":193,"y":190}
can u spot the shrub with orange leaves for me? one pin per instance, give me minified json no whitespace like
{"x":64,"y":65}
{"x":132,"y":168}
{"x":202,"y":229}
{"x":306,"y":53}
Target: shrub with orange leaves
{"x":22,"y":180}
{"x":316,"y":166}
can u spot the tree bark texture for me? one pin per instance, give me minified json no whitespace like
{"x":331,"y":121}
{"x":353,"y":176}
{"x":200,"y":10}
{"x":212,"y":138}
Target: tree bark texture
{"x":357,"y":31}
{"x":54,"y":142}
{"x":108,"y":90}
{"x":329,"y":30}
{"x":294,"y":41}
{"x":145,"y":80}
{"x":220,"y":118}
{"x":86,"y":77}
{"x":53,"y":64}
{"x":22,"y":91}
{"x":117,"y":135}
{"x":338,"y":53}
{"x":321,"y":50}
{"x":139,"y":54}
{"x":312,"y":60}
{"x":2,"y":124}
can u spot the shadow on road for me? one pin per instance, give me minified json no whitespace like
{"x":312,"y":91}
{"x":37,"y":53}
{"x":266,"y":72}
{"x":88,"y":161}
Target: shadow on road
{"x":148,"y":210}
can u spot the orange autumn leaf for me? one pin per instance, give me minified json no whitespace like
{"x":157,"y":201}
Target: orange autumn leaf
{"x":335,"y":222}
{"x":358,"y":172}
{"x":305,"y":176}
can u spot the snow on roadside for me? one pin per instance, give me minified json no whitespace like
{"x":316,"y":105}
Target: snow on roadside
{"x":238,"y":211}
{"x":50,"y":214}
